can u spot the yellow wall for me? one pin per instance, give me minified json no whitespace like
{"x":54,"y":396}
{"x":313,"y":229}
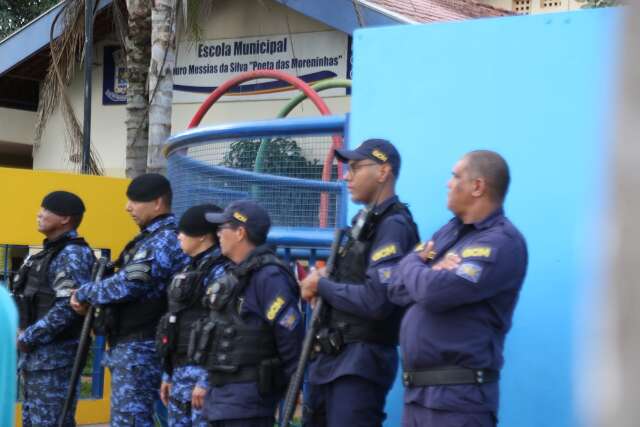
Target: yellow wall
{"x":106,"y":225}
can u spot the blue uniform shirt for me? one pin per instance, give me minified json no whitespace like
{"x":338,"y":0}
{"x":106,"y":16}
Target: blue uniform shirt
{"x":461,"y":317}
{"x":270,"y":297}
{"x":393,"y":238}
{"x":161,"y":249}
{"x":67,"y":271}
{"x":166,"y":258}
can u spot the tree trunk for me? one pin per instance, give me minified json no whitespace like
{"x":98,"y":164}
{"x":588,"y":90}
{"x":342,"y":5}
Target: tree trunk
{"x":138,"y":58}
{"x":163,"y":58}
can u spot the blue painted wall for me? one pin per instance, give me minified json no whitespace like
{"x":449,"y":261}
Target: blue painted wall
{"x":537,"y":89}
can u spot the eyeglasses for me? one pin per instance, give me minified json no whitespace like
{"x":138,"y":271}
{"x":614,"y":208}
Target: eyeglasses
{"x":355,"y":167}
{"x":226,"y":226}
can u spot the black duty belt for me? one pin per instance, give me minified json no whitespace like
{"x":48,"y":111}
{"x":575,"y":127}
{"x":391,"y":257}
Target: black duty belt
{"x":183,"y":406}
{"x":242,"y":375}
{"x":180,"y":359}
{"x":449,"y":376}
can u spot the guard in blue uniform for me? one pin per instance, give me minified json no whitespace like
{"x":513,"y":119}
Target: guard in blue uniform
{"x":357,"y":360}
{"x":461,"y":289}
{"x":184,"y":384}
{"x":49,"y":327}
{"x":131,"y":301}
{"x":251,"y":342}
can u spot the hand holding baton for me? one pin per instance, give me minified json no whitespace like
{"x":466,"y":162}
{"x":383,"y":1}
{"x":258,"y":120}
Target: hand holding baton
{"x":83,"y":346}
{"x":314,"y":325}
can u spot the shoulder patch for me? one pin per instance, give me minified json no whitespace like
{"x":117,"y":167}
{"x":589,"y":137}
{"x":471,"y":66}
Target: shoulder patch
{"x":275,"y":307}
{"x":141,"y":254}
{"x":384,"y":252}
{"x":384,"y":275}
{"x":470,"y":271}
{"x":476,"y":252}
{"x":290,"y":319}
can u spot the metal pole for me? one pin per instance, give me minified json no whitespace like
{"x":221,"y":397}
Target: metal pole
{"x":88,"y":50}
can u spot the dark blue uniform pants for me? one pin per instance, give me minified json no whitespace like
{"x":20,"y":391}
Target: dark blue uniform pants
{"x":418,"y":416}
{"x":44,"y":395}
{"x":245,"y":422}
{"x":348,"y":401}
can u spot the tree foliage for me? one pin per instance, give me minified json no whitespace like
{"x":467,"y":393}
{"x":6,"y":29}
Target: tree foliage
{"x":601,"y":3}
{"x":291,"y":206}
{"x":283,"y":157}
{"x":15,"y":14}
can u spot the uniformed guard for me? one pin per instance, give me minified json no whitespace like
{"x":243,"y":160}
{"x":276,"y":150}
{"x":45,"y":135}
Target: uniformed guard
{"x":357,"y":360}
{"x":131,"y":301}
{"x":251,"y":341}
{"x":49,"y":327}
{"x":461,"y":289}
{"x":184,"y":384}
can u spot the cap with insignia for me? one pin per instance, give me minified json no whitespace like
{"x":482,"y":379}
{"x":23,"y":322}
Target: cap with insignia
{"x":379,"y":150}
{"x":246,"y":213}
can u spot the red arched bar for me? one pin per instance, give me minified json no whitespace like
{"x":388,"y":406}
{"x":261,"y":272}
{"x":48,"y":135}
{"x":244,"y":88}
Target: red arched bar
{"x":299,"y":84}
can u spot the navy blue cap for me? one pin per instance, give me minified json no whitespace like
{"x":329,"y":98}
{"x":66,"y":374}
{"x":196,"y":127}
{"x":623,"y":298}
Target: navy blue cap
{"x":63,"y":203}
{"x":148,"y":187}
{"x":246,"y":213}
{"x":193,"y":222}
{"x":379,"y":150}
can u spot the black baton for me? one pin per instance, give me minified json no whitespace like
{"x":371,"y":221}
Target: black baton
{"x":314,"y":325}
{"x":83,"y":345}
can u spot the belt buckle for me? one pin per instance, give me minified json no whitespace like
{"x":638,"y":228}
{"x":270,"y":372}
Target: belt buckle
{"x":406,"y":379}
{"x":480,"y":376}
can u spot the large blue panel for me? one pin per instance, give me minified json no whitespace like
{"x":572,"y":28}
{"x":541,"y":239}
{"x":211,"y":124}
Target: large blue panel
{"x":537,"y":89}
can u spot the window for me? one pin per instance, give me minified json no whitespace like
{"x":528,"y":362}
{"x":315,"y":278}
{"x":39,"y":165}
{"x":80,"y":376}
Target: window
{"x":522,"y":7}
{"x":546,"y":4}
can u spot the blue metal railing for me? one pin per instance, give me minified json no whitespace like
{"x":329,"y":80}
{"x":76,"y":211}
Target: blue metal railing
{"x":203,"y":175}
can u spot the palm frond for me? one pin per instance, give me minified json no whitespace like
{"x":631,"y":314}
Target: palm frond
{"x":66,"y":51}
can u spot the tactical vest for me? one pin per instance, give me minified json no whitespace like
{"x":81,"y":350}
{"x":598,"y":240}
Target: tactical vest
{"x":133,"y":320}
{"x":231,"y":349}
{"x":33,"y":293}
{"x":351,"y":267}
{"x":186,"y":307}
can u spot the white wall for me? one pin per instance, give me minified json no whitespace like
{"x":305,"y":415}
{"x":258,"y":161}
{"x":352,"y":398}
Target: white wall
{"x":228,"y":19}
{"x":16,"y":125}
{"x":108,"y":133}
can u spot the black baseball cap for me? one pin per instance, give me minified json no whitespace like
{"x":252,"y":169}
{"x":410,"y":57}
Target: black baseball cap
{"x":379,"y":150}
{"x":246,"y":213}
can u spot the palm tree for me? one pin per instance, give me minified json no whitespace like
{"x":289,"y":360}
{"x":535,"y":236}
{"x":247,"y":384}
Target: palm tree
{"x":163,"y":59}
{"x":148,"y":35}
{"x":164,"y":17}
{"x":138,"y":56}
{"x":64,"y":52}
